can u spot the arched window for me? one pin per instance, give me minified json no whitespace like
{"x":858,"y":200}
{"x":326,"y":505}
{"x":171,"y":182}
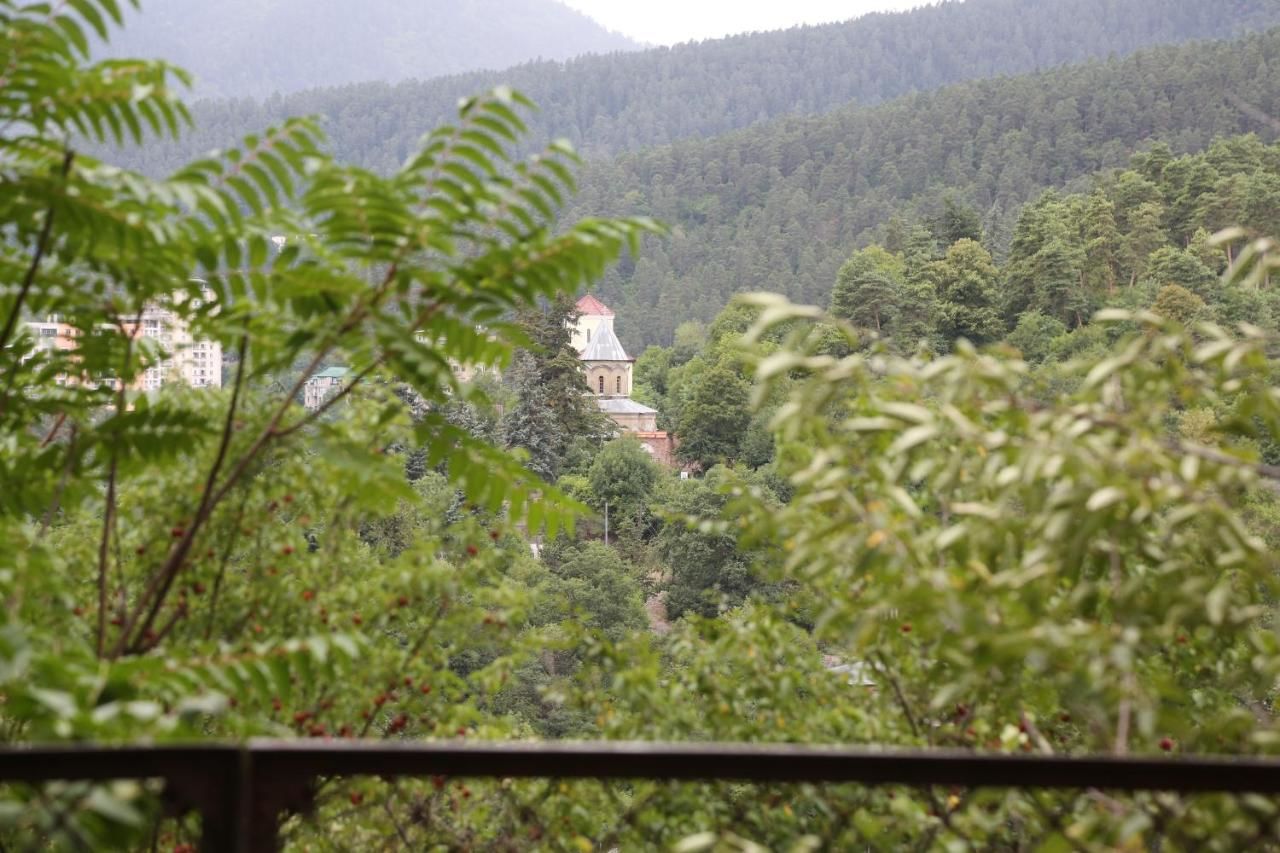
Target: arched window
{"x":619,"y":384}
{"x":601,"y":384}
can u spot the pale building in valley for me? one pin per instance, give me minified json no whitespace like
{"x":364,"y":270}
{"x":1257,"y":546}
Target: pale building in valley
{"x":608,"y":371}
{"x":322,"y":386}
{"x":185,"y":358}
{"x":197,"y":362}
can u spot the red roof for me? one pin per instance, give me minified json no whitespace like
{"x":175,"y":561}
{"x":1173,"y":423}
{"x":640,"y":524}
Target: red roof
{"x":592,"y":307}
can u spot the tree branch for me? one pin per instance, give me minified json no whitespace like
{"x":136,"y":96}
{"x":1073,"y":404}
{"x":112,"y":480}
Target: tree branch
{"x":61,"y":488}
{"x":42,"y":245}
{"x":108,"y":515}
{"x":162,"y":580}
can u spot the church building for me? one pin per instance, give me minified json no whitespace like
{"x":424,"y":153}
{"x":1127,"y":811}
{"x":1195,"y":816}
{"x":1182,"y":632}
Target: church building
{"x":608,"y":370}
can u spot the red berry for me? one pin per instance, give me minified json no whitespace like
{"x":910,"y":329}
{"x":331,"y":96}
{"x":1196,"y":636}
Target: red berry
{"x":307,"y":595}
{"x":494,"y":535}
{"x":380,"y":700}
{"x":177,"y":533}
{"x":426,"y":688}
{"x":197,"y":588}
{"x":403,"y":601}
{"x":1064,"y":717}
{"x":356,"y":798}
{"x":408,"y":682}
{"x":276,"y":704}
{"x":438,"y":782}
{"x":301,"y":717}
{"x":317,"y":730}
{"x":472,"y":550}
{"x":462,"y":731}
{"x":287,"y":550}
{"x":78,"y":611}
{"x":906,"y":628}
{"x":140,"y":550}
{"x":288,"y":499}
{"x":1166,"y":744}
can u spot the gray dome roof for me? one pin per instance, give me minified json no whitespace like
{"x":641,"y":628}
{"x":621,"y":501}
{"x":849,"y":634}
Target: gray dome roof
{"x":604,"y":346}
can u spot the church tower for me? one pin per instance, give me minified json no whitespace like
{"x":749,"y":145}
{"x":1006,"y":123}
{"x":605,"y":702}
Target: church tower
{"x":608,"y":368}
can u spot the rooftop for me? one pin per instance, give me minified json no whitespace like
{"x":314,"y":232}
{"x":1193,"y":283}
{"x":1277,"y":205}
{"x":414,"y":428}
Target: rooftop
{"x":605,"y":346}
{"x":332,"y":373}
{"x":592,"y":307}
{"x":623,"y":406}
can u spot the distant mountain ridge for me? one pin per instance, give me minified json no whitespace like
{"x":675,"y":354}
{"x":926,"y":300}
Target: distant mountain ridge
{"x":258,"y":47}
{"x":629,"y":101}
{"x":780,"y":206}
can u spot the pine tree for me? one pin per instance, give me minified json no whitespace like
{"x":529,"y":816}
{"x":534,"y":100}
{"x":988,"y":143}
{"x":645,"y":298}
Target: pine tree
{"x":1102,"y":244}
{"x":957,"y":221}
{"x":965,"y":284}
{"x":1144,"y":237}
{"x":531,"y":422}
{"x":869,"y":290}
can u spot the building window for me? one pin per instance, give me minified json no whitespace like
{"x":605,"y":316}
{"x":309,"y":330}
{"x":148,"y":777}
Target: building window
{"x":619,"y":383}
{"x":601,"y":384}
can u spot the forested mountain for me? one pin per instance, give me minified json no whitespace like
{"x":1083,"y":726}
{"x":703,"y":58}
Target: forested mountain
{"x":780,"y":207}
{"x":620,"y":102}
{"x":257,"y":47}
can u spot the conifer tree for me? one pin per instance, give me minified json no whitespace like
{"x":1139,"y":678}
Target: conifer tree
{"x":967,"y":300}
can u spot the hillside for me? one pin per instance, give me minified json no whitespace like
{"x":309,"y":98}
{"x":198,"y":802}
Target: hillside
{"x":257,"y":47}
{"x":780,"y":207}
{"x":629,"y":101}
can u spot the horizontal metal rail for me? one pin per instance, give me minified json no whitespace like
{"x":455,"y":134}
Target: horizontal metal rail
{"x":242,"y":789}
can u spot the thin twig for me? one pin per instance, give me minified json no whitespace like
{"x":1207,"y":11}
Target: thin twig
{"x":108,"y":516}
{"x":42,"y":245}
{"x":53,"y":431}
{"x":63,"y":479}
{"x":228,"y":547}
{"x":884,"y":670}
{"x":159,"y":587}
{"x":391,"y":815}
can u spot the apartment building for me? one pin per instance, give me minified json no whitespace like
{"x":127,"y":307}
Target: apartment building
{"x":196,"y":362}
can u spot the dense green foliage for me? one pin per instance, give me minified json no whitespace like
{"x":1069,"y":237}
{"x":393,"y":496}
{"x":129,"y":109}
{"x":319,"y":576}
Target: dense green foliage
{"x":894,"y":538}
{"x":779,"y":207}
{"x":626,"y":102}
{"x":238,"y":48}
{"x":194,"y":562}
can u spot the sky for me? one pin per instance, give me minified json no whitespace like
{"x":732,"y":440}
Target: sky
{"x":672,"y":21}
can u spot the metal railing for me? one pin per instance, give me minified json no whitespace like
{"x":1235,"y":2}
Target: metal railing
{"x":242,"y":791}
